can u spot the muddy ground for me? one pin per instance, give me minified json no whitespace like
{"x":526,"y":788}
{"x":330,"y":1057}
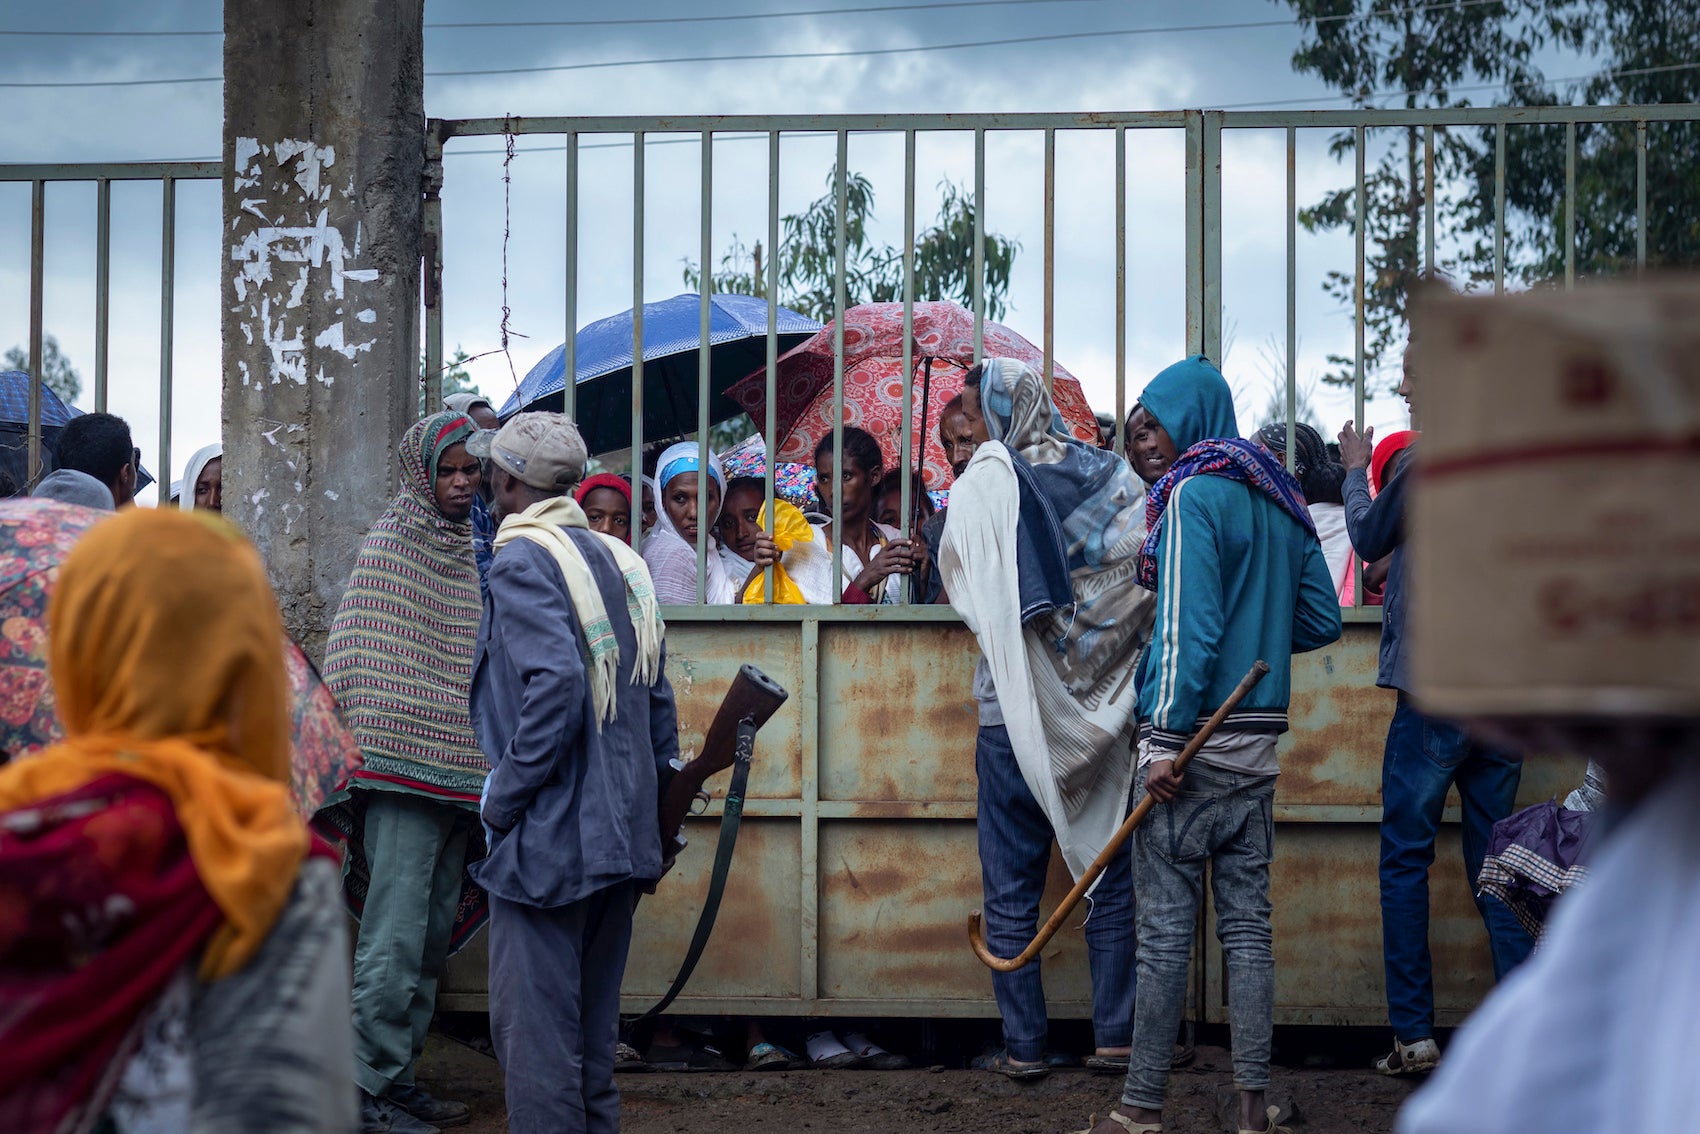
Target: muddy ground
{"x":1326,"y":1099}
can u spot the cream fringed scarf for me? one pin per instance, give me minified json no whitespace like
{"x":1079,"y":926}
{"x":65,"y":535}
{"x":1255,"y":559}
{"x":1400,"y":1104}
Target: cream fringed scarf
{"x":542,"y":523}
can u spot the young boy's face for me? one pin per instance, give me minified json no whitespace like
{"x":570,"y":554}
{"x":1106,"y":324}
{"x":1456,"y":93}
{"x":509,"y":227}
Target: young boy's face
{"x":1150,"y":449}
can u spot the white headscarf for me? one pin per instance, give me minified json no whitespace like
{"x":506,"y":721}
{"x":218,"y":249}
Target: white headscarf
{"x":192,"y":473}
{"x":672,"y":560}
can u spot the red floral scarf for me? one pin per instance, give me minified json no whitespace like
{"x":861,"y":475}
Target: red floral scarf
{"x":99,"y":906}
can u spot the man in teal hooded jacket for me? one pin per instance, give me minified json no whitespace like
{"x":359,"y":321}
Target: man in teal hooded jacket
{"x":1239,"y":576}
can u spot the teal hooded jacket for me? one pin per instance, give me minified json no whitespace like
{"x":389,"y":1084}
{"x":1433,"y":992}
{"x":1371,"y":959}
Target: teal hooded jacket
{"x":1238,"y":580}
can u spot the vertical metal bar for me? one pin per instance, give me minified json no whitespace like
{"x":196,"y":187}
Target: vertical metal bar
{"x":1121,"y":290}
{"x":569,"y":265}
{"x":1569,"y":205}
{"x":1641,"y":196}
{"x":167,"y":338}
{"x":705,"y":214}
{"x":102,"y":290}
{"x":1498,"y":208}
{"x":979,"y":244}
{"x":1428,"y":199}
{"x":1194,"y":232}
{"x":809,"y":852}
{"x":431,"y":291}
{"x":1362,"y":210}
{"x":838,"y":301}
{"x":637,"y":330}
{"x":906,"y":444}
{"x":38,"y":299}
{"x":1212,"y":125}
{"x":1050,"y":253}
{"x":771,"y":425}
{"x":1204,"y":233}
{"x":1358,"y":282}
{"x":1292,"y":294}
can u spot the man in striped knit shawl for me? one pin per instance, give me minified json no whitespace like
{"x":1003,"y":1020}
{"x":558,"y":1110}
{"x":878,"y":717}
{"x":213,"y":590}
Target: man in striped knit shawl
{"x":400,"y":664}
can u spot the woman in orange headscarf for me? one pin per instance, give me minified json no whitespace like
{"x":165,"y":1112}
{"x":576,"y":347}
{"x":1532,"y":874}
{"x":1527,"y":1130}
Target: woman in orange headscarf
{"x":172,"y":956}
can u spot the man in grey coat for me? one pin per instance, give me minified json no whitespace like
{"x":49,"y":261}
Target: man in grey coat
{"x":572,"y":707}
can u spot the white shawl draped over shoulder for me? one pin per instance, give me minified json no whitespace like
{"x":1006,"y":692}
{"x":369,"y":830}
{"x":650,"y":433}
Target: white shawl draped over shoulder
{"x":1055,"y":736}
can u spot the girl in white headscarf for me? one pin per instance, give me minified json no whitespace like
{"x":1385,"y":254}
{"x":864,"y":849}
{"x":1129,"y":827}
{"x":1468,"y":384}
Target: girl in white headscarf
{"x":670,"y":548}
{"x":203,"y":480}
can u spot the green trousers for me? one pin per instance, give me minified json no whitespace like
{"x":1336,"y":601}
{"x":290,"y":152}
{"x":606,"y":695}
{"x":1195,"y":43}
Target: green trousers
{"x":417,"y":851}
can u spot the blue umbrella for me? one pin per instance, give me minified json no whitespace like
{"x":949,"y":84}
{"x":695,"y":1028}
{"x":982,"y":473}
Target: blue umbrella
{"x":14,"y":426}
{"x":671,"y":333}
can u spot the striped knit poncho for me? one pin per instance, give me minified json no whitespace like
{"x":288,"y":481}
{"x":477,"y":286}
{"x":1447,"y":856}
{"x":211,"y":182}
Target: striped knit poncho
{"x":399,"y":660}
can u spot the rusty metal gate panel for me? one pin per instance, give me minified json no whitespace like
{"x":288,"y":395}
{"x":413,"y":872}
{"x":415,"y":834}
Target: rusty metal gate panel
{"x":1324,"y":884}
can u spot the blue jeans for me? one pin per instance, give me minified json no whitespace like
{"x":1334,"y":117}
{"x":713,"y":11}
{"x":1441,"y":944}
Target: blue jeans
{"x":1226,"y":819}
{"x":1426,"y":756}
{"x":1015,"y":854}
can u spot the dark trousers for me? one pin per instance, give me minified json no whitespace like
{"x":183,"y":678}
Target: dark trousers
{"x":555,"y":1009}
{"x":1426,"y":756}
{"x":1015,"y":853}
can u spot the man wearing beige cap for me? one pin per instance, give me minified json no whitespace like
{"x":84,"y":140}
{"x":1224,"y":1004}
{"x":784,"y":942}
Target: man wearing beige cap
{"x":572,"y":707}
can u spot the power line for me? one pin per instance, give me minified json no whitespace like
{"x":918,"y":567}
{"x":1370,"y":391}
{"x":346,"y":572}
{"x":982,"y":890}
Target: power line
{"x":1624,"y":73}
{"x":637,"y":21}
{"x":777,"y":56}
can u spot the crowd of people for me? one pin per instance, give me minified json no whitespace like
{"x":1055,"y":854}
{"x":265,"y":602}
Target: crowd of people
{"x":499,"y":655}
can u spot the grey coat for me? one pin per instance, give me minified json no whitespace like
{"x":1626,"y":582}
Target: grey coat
{"x":572,"y":806}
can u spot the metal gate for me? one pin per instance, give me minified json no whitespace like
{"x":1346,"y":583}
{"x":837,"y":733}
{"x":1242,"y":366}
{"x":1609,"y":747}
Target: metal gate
{"x":860,"y":863}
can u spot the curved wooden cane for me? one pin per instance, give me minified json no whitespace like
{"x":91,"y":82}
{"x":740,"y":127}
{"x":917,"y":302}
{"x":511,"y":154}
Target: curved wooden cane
{"x":977,"y":937}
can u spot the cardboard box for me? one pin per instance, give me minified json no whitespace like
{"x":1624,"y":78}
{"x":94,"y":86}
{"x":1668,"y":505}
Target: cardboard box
{"x":1555,"y":522}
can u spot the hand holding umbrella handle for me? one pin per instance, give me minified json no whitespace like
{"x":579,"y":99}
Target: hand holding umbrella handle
{"x":977,"y":937}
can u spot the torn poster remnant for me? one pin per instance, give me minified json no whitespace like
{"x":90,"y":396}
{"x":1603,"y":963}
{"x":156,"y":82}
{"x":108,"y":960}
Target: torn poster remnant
{"x":290,"y":251}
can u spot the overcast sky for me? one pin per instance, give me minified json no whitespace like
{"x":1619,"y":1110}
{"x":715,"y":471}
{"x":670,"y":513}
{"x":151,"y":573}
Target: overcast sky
{"x":1103,"y":72}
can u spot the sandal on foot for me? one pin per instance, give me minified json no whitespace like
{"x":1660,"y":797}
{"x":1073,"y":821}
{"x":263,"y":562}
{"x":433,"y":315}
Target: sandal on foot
{"x":1107,"y":1064}
{"x":1125,"y":1123}
{"x":875,"y":1057}
{"x":828,"y":1053}
{"x":683,"y":1057}
{"x":1000,"y":1062}
{"x":1272,"y":1128}
{"x":1414,"y":1058}
{"x":770,"y":1057}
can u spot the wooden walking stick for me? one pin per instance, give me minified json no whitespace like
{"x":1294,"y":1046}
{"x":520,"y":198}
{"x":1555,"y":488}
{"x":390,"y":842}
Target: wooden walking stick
{"x":977,"y":938}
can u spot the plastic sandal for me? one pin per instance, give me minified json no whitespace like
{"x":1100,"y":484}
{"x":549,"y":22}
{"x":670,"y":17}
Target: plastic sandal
{"x":874,"y":1056}
{"x":1271,"y":1128}
{"x":1001,"y":1063}
{"x":769,"y":1057}
{"x":1130,"y":1125}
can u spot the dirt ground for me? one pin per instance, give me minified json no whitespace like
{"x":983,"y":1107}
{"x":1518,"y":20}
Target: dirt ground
{"x":1326,"y":1100}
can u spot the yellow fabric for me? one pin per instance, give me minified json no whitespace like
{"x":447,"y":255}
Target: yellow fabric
{"x":166,"y":652}
{"x":788,"y":528}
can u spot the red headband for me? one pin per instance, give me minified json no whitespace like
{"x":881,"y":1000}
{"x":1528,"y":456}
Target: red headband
{"x":603,"y":480}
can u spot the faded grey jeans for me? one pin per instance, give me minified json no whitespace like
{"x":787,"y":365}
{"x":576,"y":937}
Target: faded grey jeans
{"x":1223,"y":818}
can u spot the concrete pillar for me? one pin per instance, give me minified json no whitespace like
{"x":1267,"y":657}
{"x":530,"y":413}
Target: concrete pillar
{"x":324,"y":126}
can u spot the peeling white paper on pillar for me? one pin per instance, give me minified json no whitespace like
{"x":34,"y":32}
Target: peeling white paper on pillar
{"x":288,"y":248}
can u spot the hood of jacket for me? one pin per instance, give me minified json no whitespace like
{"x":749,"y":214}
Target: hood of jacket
{"x":1192,"y":401}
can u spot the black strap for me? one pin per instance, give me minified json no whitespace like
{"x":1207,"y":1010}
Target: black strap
{"x":730,"y":820}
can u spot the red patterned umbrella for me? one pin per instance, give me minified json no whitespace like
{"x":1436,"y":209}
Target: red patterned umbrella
{"x":873,"y":381}
{"x":35,"y":536}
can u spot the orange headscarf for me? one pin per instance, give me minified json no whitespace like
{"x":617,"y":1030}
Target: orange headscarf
{"x":166,"y":653}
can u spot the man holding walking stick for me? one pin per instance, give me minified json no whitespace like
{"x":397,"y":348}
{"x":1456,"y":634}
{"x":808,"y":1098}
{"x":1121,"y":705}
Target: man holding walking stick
{"x":1239,"y":575}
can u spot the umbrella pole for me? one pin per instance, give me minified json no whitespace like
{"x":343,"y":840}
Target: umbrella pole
{"x":926,"y":395}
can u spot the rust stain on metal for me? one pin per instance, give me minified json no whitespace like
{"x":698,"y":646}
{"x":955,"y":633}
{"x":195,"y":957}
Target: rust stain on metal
{"x":1339,"y":724}
{"x":893,"y":727}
